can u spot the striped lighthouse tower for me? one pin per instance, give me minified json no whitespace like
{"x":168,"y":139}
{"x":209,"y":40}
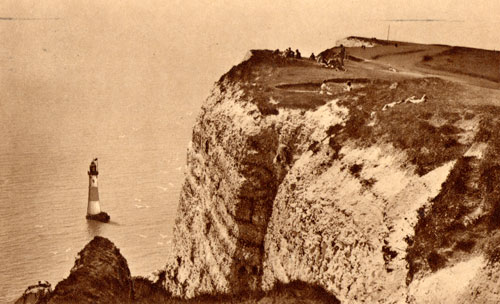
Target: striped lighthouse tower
{"x":93,"y":207}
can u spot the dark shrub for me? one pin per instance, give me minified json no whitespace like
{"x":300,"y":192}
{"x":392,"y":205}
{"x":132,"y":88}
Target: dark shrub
{"x":465,"y":245}
{"x":435,"y":261}
{"x":356,"y":169}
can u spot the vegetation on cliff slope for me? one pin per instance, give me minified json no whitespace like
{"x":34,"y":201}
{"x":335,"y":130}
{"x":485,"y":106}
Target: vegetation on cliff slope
{"x":464,"y":218}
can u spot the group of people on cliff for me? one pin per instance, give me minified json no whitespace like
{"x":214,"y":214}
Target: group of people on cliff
{"x":336,"y":61}
{"x":288,"y":53}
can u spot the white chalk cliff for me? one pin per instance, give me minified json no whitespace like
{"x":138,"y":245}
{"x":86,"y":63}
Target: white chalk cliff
{"x":331,"y":194}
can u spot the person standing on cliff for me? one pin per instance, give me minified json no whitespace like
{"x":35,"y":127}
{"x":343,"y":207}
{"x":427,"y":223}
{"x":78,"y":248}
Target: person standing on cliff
{"x":297,"y":54}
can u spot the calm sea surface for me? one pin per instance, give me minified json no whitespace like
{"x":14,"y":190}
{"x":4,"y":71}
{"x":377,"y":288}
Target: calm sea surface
{"x":45,"y":151}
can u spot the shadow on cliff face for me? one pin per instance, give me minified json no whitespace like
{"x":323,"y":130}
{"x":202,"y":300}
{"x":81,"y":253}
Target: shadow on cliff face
{"x":147,"y":292}
{"x":252,"y":213}
{"x":239,"y":199}
{"x":263,"y":172}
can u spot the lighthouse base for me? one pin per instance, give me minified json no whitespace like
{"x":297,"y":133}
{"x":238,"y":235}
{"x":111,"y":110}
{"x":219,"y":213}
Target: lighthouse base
{"x":101,"y":217}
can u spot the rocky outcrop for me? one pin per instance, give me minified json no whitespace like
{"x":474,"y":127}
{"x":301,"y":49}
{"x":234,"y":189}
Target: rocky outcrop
{"x":100,"y":217}
{"x":100,"y":275}
{"x":358,"y":42}
{"x":35,"y":294}
{"x":343,"y":225}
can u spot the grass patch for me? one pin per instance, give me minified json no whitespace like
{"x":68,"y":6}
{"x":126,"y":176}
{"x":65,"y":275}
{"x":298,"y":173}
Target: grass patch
{"x":467,"y":61}
{"x":406,"y":125}
{"x":292,"y":83}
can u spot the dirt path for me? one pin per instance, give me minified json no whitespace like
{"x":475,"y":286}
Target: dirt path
{"x":407,"y":60}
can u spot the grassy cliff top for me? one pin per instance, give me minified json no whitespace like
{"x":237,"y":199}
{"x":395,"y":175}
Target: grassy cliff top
{"x":460,"y":98}
{"x":273,"y":82}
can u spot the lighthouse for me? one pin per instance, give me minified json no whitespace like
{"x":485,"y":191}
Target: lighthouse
{"x":94,"y":207}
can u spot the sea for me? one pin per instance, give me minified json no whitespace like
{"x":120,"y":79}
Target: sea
{"x":45,"y":152}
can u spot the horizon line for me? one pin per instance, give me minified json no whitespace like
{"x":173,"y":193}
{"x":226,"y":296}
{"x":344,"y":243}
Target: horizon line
{"x":25,"y":19}
{"x":422,"y":20}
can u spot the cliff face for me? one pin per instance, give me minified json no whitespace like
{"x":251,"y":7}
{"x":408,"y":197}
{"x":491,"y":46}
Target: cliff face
{"x":285,"y":183}
{"x":226,"y":200}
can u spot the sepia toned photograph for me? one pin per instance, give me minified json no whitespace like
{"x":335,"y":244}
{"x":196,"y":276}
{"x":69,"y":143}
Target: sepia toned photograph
{"x":288,"y":151}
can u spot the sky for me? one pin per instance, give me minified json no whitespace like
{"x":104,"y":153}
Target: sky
{"x":174,"y":50}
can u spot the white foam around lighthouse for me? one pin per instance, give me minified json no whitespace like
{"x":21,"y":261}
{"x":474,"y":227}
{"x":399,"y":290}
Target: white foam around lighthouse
{"x":93,"y":207}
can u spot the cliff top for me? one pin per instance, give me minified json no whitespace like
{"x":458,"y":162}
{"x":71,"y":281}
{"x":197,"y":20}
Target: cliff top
{"x":459,"y":85}
{"x":272,"y":81}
